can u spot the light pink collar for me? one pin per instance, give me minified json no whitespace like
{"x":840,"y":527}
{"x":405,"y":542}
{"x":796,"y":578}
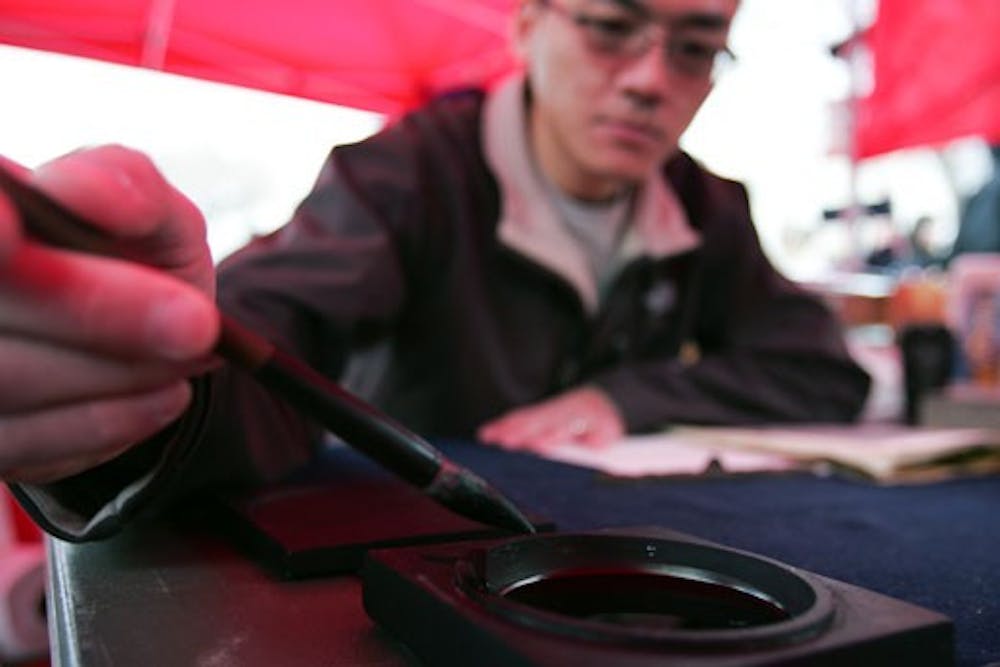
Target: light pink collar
{"x":529,"y":222}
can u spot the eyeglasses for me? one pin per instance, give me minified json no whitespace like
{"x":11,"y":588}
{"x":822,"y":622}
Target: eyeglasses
{"x":621,"y":32}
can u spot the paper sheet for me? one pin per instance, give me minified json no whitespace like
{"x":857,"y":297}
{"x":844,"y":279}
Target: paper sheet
{"x":666,"y":454}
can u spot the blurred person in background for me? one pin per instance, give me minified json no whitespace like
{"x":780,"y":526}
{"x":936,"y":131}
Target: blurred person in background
{"x":922,"y":250}
{"x":979,"y":225}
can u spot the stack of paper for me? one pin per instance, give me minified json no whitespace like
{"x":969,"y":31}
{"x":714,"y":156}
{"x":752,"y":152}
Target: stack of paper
{"x":886,"y":453}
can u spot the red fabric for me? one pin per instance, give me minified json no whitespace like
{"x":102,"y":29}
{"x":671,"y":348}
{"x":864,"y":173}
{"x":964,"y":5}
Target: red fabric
{"x":382,"y":55}
{"x":937,"y":74}
{"x":24,"y":528}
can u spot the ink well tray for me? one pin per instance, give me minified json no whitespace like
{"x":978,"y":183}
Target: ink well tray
{"x":634,"y":598}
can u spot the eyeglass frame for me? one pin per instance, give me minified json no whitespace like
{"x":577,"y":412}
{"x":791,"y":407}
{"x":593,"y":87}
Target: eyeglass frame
{"x":649,"y":32}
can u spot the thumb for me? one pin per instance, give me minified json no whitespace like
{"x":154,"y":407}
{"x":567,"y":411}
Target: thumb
{"x":9,"y":226}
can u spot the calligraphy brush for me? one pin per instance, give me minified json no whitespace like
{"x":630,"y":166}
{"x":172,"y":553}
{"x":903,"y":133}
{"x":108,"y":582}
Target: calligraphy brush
{"x":356,"y":422}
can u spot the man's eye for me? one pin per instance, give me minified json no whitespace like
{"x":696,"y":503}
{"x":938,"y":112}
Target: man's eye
{"x":695,"y":51}
{"x":610,"y":30}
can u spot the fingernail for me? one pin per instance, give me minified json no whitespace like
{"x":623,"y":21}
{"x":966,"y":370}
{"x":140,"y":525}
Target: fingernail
{"x":180,"y":327}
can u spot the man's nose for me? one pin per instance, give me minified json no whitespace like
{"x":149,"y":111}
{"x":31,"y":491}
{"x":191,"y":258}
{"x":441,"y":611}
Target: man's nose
{"x":648,"y":77}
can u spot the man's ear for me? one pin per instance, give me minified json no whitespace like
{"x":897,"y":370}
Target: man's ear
{"x":528,"y":13}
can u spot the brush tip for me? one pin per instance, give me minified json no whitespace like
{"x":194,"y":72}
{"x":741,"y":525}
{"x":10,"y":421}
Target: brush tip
{"x":465,"y":493}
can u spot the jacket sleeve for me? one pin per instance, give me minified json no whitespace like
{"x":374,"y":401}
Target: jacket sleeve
{"x":764,"y":350}
{"x":328,"y":281}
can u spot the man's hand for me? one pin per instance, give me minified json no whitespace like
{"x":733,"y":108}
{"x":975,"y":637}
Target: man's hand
{"x":584,"y":416}
{"x":95,"y":351}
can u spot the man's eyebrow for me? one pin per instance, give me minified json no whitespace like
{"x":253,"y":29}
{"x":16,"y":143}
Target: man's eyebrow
{"x":692,"y":19}
{"x":700,"y":20}
{"x":634,"y":6}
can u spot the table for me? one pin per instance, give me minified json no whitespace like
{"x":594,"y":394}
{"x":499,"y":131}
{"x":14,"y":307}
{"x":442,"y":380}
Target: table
{"x":172,"y":592}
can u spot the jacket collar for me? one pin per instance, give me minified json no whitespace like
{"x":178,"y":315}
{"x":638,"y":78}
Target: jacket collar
{"x":529,"y":222}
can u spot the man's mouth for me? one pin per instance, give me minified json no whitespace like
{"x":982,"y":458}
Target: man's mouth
{"x":630,"y":132}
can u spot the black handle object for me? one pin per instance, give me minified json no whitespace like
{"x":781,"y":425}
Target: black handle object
{"x":928,"y":352}
{"x":344,"y":414}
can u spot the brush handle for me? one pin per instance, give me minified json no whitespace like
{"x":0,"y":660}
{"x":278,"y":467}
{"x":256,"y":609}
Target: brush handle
{"x":358,"y":423}
{"x":47,"y":220}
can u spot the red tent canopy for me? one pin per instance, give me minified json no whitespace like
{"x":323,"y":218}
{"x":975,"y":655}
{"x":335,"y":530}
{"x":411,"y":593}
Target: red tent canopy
{"x":382,"y":55}
{"x":937,"y":75}
{"x":937,"y":62}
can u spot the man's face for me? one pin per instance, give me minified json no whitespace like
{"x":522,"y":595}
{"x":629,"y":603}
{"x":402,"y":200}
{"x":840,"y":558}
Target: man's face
{"x":615,"y":83}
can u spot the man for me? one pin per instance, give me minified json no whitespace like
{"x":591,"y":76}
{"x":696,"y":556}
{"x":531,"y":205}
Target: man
{"x":536,"y":265}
